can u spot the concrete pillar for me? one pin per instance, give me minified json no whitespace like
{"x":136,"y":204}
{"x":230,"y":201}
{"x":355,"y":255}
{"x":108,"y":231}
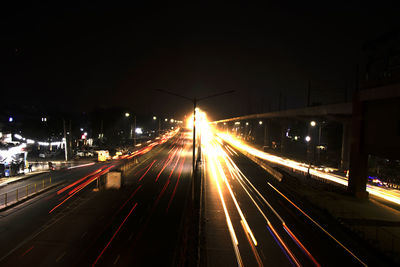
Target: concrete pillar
{"x":283,"y":136}
{"x":345,"y":152}
{"x":358,"y":157}
{"x":266,"y":133}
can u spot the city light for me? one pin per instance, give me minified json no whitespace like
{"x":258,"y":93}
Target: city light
{"x":10,"y":119}
{"x":260,"y":122}
{"x":313,"y":123}
{"x":127,"y":114}
{"x":154,"y":117}
{"x":138,"y":130}
{"x":165,"y":119}
{"x":172,"y":120}
{"x":308,"y":138}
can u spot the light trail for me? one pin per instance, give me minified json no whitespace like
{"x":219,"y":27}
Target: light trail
{"x":235,"y":242}
{"x":318,"y":225}
{"x":112,"y":238}
{"x":169,"y":159}
{"x":228,"y":186}
{"x":235,"y":171}
{"x":79,"y":166}
{"x":79,"y":181}
{"x":176,"y":185}
{"x":144,"y":174}
{"x":131,"y":196}
{"x":387,"y":194}
{"x":253,"y":248}
{"x":79,"y":188}
{"x":83,"y":185}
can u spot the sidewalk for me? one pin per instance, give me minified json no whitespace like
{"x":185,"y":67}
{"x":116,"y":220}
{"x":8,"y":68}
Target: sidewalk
{"x":216,"y":244}
{"x":4,"y":181}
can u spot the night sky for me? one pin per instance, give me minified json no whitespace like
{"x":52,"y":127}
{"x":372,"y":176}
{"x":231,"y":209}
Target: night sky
{"x":81,"y":56}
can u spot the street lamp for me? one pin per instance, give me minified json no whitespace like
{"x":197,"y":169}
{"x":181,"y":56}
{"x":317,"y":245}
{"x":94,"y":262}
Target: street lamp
{"x":154,"y":118}
{"x":194,"y":101}
{"x":260,"y":122}
{"x":127,"y":114}
{"x":313,"y":123}
{"x":308,"y":139}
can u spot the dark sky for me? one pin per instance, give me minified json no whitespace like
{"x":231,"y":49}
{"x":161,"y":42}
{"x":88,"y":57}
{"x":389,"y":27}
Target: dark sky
{"x":81,"y":56}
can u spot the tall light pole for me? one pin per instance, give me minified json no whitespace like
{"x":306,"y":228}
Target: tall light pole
{"x":194,"y":101}
{"x":308,"y":139}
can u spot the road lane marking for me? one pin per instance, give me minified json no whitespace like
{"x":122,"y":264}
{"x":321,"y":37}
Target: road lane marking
{"x":116,"y":260}
{"x":61,"y":256}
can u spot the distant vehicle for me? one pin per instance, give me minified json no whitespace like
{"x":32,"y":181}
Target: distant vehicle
{"x":85,"y":153}
{"x":103,"y":155}
{"x":117,"y":155}
{"x":375,"y":180}
{"x":80,"y":154}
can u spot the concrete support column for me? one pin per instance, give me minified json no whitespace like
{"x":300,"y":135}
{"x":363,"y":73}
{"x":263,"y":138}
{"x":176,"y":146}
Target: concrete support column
{"x":345,"y":152}
{"x":266,"y":133}
{"x":358,"y":157}
{"x":283,"y":137}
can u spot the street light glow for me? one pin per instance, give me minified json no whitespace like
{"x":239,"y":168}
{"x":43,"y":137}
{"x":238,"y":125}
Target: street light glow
{"x":308,"y":138}
{"x":260,"y":122}
{"x":313,"y":123}
{"x":127,"y":114}
{"x":154,"y":117}
{"x":10,"y":119}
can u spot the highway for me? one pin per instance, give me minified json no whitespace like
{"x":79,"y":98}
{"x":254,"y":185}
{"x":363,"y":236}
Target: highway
{"x":78,"y":224}
{"x":388,"y":194}
{"x":267,"y":224}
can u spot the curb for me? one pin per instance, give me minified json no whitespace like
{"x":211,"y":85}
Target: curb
{"x":30,"y":197}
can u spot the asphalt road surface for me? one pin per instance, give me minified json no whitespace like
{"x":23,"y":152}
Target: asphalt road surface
{"x":78,"y":224}
{"x":269,"y":225}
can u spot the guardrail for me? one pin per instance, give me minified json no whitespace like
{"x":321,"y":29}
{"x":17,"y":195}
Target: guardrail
{"x":20,"y":193}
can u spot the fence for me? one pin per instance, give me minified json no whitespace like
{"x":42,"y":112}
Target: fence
{"x":13,"y":196}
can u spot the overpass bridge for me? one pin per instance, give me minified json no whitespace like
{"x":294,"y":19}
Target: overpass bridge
{"x":341,"y":135}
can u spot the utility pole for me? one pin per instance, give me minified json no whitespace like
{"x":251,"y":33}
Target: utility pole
{"x":159,"y":126}
{"x":65,"y":142}
{"x":309,"y":93}
{"x":134,"y":132}
{"x":194,"y":101}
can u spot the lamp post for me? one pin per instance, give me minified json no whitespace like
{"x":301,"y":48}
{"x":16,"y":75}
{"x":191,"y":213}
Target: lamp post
{"x":308,"y":139}
{"x":194,"y":101}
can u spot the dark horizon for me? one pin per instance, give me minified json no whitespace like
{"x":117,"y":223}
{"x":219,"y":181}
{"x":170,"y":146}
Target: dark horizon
{"x":87,"y":56}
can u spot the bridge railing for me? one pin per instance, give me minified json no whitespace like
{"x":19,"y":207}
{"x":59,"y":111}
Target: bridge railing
{"x":21,"y":193}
